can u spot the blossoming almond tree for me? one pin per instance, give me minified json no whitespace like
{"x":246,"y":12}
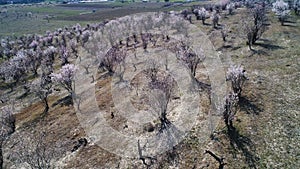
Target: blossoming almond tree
{"x":65,"y":77}
{"x":215,"y":17}
{"x":281,"y":9}
{"x":237,"y":76}
{"x":7,"y":127}
{"x":201,"y":15}
{"x":296,"y":7}
{"x":230,"y":108}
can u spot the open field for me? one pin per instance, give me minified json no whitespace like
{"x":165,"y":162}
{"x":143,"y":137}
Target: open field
{"x":18,"y":23}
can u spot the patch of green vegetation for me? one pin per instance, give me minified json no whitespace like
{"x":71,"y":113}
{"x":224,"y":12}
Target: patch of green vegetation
{"x":32,"y":26}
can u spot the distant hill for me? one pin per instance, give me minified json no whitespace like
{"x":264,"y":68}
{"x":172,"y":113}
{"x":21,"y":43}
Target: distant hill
{"x":19,"y":1}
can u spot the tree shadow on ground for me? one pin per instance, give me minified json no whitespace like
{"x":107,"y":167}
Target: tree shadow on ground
{"x":258,"y":52}
{"x":245,"y":145}
{"x":289,"y":24}
{"x":225,"y":46}
{"x":289,"y":21}
{"x":207,"y":24}
{"x":65,"y":101}
{"x":24,"y":94}
{"x":249,"y":107}
{"x":236,"y":48}
{"x":269,"y":46}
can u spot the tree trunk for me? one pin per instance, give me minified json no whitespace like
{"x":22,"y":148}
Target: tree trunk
{"x":250,"y":46}
{"x":224,"y":38}
{"x":46,"y":105}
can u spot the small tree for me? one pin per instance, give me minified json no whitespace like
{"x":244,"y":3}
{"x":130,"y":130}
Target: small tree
{"x":281,"y":9}
{"x":113,"y":57}
{"x":74,"y":47}
{"x":65,"y":77}
{"x":201,"y":15}
{"x":224,"y":32}
{"x":49,"y":56}
{"x":164,"y":84}
{"x":34,"y":60}
{"x":237,"y":76}
{"x":64,"y":55}
{"x":215,"y":19}
{"x":190,"y":59}
{"x":42,"y":89}
{"x":14,"y":69}
{"x":230,"y":7}
{"x":253,"y":26}
{"x":296,"y":7}
{"x":223,"y":4}
{"x":230,"y":108}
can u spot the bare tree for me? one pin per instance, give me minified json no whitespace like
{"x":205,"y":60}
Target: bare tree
{"x":191,"y":60}
{"x":113,"y":57}
{"x":253,"y":26}
{"x":42,"y":89}
{"x":164,"y":85}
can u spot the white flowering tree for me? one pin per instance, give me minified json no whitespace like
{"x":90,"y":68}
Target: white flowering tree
{"x":215,"y":17}
{"x":64,"y":55}
{"x":281,"y":9}
{"x":237,"y":76}
{"x":230,"y":108}
{"x":224,"y":32}
{"x":7,"y":126}
{"x":296,"y":7}
{"x":34,"y":58}
{"x":14,"y":69}
{"x":201,"y":15}
{"x":65,"y":77}
{"x":230,"y":7}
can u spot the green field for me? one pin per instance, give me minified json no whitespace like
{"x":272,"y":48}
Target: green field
{"x":17,"y":22}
